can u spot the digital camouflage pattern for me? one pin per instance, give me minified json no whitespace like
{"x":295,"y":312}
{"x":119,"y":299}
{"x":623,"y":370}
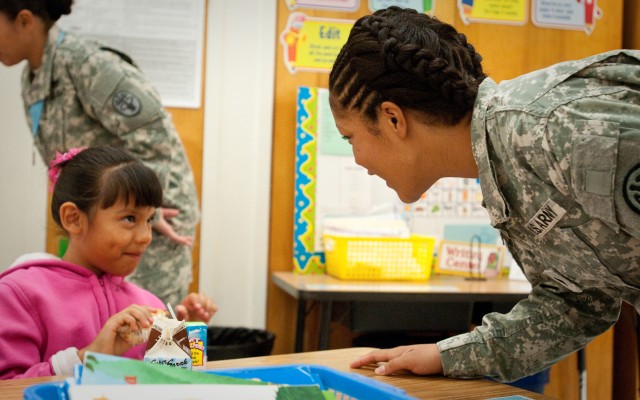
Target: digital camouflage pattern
{"x":93,"y":97}
{"x":558,"y":152}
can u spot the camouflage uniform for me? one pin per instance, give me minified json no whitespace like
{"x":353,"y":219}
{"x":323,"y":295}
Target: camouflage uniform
{"x":93,"y":97}
{"x":558,"y":152}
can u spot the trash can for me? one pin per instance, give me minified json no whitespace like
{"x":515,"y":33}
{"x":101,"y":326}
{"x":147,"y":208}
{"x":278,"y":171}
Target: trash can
{"x":224,"y":343}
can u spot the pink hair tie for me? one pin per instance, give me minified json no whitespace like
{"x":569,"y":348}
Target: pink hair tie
{"x":54,"y":165}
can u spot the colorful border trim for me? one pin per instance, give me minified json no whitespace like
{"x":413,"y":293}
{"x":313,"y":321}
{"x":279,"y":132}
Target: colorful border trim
{"x":305,"y":260}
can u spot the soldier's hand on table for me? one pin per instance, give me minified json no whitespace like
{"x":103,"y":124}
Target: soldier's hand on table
{"x":164,"y":228}
{"x":421,"y":359}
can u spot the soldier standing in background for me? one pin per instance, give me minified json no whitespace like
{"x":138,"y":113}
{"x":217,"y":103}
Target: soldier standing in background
{"x":80,"y":93}
{"x":557,"y":152}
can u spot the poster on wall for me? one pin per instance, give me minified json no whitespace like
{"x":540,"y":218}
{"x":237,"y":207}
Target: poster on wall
{"x":511,"y":12}
{"x":421,"y":6}
{"x":328,"y":182}
{"x":451,"y":197}
{"x":465,"y":259}
{"x":337,"y":5}
{"x":312,"y":44}
{"x":566,"y":14}
{"x":165,"y":41}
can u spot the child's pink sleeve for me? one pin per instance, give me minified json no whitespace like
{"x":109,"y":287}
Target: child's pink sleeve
{"x":20,"y":337}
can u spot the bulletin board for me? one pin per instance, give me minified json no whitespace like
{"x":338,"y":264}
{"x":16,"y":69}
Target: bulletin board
{"x":311,"y":35}
{"x":329,"y":183}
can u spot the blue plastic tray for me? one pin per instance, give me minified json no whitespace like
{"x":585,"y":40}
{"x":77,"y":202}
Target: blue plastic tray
{"x":47,"y":391}
{"x":345,"y":385}
{"x":342,"y":384}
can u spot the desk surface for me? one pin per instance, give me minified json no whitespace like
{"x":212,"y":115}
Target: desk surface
{"x":417,"y":386}
{"x":436,"y":288}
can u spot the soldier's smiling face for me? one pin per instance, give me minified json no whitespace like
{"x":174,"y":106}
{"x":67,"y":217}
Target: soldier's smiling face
{"x":379,"y":149}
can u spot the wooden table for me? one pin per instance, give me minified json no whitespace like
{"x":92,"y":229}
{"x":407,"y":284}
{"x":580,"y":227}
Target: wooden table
{"x":416,"y":386}
{"x":438,"y":289}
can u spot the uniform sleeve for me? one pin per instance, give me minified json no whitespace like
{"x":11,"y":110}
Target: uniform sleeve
{"x":118,"y":96}
{"x":539,"y":331}
{"x":20,"y":338}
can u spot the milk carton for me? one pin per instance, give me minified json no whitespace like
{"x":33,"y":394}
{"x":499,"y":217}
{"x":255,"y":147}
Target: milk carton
{"x":168,"y":343}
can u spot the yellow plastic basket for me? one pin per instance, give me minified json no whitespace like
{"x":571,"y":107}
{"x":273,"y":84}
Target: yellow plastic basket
{"x":379,"y":258}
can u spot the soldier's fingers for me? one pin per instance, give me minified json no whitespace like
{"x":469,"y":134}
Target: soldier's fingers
{"x":370,"y":358}
{"x":170,"y":212}
{"x":389,"y":368}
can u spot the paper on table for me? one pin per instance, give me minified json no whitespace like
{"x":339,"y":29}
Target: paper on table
{"x":193,"y":392}
{"x":374,"y":226}
{"x":103,"y":369}
{"x":172,"y":392}
{"x":113,"y":378}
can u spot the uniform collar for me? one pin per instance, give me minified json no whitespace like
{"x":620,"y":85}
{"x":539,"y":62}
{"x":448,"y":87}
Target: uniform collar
{"x":40,"y":85}
{"x":492,"y":198}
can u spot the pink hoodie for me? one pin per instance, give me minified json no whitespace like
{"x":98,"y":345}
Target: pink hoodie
{"x":51,"y":305}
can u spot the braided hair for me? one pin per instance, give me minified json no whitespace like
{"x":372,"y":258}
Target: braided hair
{"x":410,"y":59}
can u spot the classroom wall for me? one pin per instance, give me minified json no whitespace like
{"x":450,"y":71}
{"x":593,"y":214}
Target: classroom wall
{"x":23,"y":192}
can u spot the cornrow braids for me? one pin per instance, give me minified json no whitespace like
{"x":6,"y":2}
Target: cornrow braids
{"x":410,"y":59}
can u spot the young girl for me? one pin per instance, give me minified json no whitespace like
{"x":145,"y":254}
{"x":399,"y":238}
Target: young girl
{"x":56,"y":310}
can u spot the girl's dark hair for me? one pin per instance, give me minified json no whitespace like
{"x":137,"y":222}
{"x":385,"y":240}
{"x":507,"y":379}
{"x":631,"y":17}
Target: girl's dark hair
{"x":48,"y":10}
{"x":101,"y":176}
{"x":410,"y":59}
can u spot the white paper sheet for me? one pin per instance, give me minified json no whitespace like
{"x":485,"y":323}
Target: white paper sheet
{"x":172,"y":392}
{"x":164,"y":38}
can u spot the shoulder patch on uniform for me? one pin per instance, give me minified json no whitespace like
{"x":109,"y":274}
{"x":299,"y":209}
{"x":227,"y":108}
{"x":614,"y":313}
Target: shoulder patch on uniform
{"x":126,"y":103}
{"x":631,"y":188}
{"x":546,"y":217}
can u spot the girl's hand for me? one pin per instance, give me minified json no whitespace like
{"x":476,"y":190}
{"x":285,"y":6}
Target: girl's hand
{"x":164,"y":228}
{"x":196,"y":307}
{"x":421,"y":359}
{"x":109,"y":341}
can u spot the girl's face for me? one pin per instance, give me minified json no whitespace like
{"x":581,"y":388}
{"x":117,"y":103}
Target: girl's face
{"x":13,"y":43}
{"x":379,"y":149}
{"x":112,"y":240}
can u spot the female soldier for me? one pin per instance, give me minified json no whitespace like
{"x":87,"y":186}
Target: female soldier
{"x":557,"y":152}
{"x":78,"y":93}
